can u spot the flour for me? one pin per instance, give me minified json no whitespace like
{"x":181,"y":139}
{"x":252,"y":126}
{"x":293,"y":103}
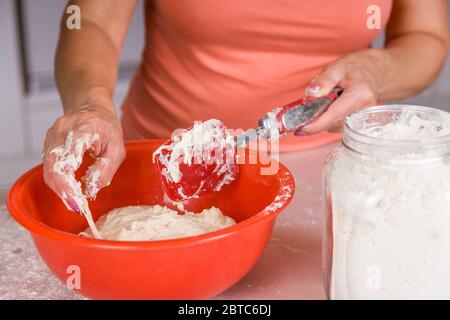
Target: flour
{"x":391,"y":222}
{"x":68,"y":158}
{"x":145,"y":223}
{"x":409,"y":126}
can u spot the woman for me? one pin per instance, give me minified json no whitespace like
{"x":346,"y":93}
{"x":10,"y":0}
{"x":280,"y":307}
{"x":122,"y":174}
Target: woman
{"x":236,"y":60}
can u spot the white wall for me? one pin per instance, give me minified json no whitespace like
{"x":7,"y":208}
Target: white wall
{"x":25,"y":117}
{"x":40,"y":23}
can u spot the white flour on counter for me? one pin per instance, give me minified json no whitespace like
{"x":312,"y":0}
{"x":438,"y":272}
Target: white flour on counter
{"x":391,"y":224}
{"x":145,"y":223}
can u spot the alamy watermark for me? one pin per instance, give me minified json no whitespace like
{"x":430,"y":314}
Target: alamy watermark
{"x":73,"y":21}
{"x":373,"y":280}
{"x":73,"y":281}
{"x":373,"y":21}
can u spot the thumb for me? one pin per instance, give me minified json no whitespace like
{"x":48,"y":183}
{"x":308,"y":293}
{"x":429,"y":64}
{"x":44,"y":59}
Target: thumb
{"x":326,"y":81}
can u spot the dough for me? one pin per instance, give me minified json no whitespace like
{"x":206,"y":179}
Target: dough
{"x":207,"y":142}
{"x":143,"y":223}
{"x":68,"y":159}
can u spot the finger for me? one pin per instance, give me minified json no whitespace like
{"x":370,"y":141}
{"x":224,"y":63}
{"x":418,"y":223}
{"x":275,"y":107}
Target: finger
{"x":87,"y":132}
{"x":337,"y":129}
{"x":77,"y":143}
{"x":61,"y":162}
{"x":56,"y":135}
{"x":54,"y":138}
{"x":325,"y":81}
{"x":300,"y":133}
{"x":69,"y":190}
{"x":62,"y":185}
{"x":351,"y":100}
{"x":101,"y":172}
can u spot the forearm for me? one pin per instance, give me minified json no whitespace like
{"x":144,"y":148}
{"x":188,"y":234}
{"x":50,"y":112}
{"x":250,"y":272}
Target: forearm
{"x":86,"y":60}
{"x":85,"y":66}
{"x":409,"y":64}
{"x":416,"y":47}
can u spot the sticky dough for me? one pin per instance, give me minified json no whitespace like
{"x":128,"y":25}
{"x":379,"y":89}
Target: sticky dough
{"x":202,"y":141}
{"x":68,"y":158}
{"x":144,"y":223}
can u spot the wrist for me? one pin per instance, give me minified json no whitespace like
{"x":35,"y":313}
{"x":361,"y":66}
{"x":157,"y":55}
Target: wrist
{"x":380,"y":65}
{"x":95,"y":99}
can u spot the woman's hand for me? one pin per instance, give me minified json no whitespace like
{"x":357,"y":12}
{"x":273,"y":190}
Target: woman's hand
{"x":417,"y":42}
{"x":359,"y":74}
{"x":91,"y":128}
{"x":86,"y":64}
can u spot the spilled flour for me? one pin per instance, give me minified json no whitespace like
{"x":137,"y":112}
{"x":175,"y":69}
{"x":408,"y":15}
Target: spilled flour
{"x":145,"y":223}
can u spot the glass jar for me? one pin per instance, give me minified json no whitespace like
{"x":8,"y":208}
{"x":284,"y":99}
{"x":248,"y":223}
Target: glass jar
{"x":387,"y":193}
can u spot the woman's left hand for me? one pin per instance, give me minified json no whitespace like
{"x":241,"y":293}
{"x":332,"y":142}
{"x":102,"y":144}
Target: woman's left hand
{"x":359,"y":74}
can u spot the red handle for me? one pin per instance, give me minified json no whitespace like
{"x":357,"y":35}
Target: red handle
{"x":332,"y":96}
{"x":327,"y":101}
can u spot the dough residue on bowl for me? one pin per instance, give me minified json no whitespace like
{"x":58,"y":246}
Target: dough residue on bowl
{"x":145,"y":223}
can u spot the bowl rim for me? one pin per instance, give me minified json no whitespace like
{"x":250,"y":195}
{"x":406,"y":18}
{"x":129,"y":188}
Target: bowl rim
{"x":285,"y":194}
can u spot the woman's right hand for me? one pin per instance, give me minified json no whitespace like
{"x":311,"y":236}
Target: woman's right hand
{"x":91,"y":128}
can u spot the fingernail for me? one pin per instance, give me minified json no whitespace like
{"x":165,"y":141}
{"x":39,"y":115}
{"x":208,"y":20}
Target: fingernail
{"x":301,"y":133}
{"x":71,"y":204}
{"x":312,"y":90}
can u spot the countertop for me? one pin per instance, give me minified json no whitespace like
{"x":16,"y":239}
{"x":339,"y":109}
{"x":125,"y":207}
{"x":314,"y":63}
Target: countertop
{"x":290,"y":267}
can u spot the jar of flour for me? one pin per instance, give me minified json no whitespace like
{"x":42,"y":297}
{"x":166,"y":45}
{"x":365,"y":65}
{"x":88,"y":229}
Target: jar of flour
{"x":387,"y":191}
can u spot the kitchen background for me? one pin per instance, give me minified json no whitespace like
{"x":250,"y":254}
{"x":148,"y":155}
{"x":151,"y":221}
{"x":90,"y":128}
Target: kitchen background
{"x":29,"y":101}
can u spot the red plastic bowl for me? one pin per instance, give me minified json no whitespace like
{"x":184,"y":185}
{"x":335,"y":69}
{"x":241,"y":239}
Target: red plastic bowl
{"x":187,"y":268}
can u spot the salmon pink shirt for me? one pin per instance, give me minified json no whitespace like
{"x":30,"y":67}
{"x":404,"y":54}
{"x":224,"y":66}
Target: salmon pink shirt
{"x":235,"y":60}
